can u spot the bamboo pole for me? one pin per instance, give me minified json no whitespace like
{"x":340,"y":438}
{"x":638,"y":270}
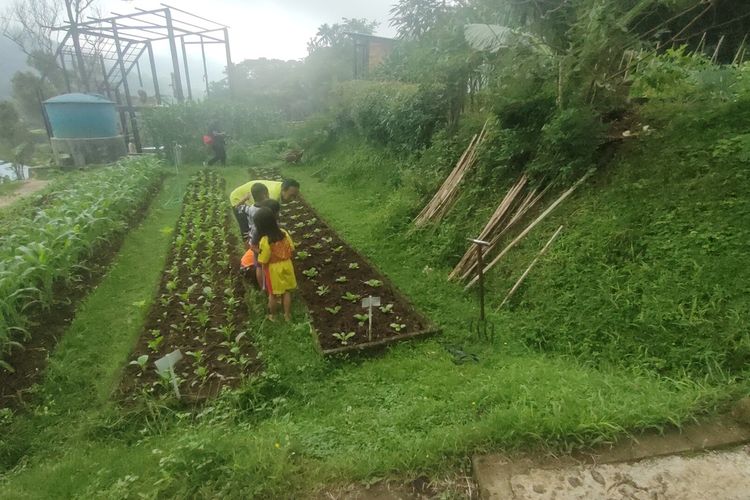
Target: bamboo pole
{"x":445,"y":196}
{"x":492,"y":223}
{"x":528,"y":269}
{"x":531,"y":226}
{"x":528,"y":203}
{"x":715,"y":57}
{"x":739,"y":50}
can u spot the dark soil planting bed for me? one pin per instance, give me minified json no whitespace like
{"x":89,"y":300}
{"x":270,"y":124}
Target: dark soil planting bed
{"x":333,"y":279}
{"x":200,"y":309}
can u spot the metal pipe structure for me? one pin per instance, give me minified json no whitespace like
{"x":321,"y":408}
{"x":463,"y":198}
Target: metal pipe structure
{"x":154,"y":76}
{"x":117,"y":43}
{"x":205,"y":68}
{"x":77,"y":45}
{"x":65,"y":72}
{"x":175,"y":63}
{"x":229,"y":61}
{"x":126,"y":89}
{"x":187,"y":70}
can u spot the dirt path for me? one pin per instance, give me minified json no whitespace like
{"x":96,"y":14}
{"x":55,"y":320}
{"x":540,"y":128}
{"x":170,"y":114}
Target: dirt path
{"x":27,"y":188}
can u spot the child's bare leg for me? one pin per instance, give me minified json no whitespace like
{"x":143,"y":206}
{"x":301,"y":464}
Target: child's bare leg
{"x":287,"y":306}
{"x":259,"y":276}
{"x":271,"y":307}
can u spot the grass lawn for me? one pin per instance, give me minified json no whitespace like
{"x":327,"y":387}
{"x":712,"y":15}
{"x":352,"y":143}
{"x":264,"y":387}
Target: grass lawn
{"x":307,"y":421}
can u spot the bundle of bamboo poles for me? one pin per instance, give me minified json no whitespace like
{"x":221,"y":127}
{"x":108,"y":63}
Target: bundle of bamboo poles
{"x":446,"y":195}
{"x":508,"y":213}
{"x":531,"y":226}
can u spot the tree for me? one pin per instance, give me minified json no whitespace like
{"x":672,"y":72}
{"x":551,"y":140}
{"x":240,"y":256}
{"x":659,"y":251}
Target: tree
{"x":337,"y":35}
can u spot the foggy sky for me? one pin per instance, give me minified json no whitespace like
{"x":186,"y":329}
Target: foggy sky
{"x":274,"y":29}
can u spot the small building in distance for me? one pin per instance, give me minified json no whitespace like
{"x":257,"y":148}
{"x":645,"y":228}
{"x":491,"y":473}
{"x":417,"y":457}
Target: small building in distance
{"x":369,"y":52}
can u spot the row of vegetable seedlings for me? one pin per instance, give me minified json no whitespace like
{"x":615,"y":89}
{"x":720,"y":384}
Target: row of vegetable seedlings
{"x":44,"y":248}
{"x":200,"y":308}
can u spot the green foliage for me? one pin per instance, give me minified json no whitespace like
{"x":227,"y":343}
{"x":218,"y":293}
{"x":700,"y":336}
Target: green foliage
{"x":568,"y":145}
{"x":338,"y":35}
{"x":186,"y":124}
{"x":678,"y":75}
{"x":398,"y":115}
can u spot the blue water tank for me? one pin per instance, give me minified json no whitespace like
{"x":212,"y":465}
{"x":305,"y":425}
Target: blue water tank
{"x":81,"y":116}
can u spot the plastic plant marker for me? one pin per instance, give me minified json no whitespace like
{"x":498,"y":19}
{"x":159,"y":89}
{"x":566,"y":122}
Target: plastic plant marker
{"x":166,"y":364}
{"x":369,"y":303}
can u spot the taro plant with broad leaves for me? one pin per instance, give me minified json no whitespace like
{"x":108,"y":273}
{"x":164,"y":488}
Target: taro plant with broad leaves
{"x":344,"y":337}
{"x":361,"y":318}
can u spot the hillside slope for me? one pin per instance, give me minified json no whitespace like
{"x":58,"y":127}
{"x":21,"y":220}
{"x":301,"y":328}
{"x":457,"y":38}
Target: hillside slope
{"x":651,"y":268}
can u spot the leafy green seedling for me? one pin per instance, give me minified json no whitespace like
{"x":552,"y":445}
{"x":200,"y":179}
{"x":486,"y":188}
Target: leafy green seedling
{"x":397,"y":326}
{"x":326,"y":239}
{"x":333,"y":310}
{"x":302,"y":254}
{"x":154,"y":343}
{"x":353,"y":265}
{"x":342,"y":279}
{"x":351,"y":297}
{"x":299,"y":225}
{"x":196,"y":355}
{"x":386,"y":309}
{"x":310,"y":273}
{"x":322,"y":290}
{"x":338,"y":249}
{"x":361,"y":318}
{"x":328,"y":260}
{"x":343,"y":337}
{"x":374,"y":283}
{"x":307,"y":236}
{"x":141,"y":362}
{"x":317,"y":246}
{"x":317,"y":230}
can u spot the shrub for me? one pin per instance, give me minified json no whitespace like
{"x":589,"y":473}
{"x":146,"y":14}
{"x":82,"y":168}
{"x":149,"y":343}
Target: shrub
{"x":400,"y":115}
{"x":186,"y":124}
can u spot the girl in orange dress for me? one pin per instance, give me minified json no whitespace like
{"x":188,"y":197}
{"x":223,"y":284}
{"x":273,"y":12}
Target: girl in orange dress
{"x":276,"y":248}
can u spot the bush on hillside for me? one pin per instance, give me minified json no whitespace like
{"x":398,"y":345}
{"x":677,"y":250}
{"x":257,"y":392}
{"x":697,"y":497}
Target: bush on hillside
{"x":399,"y":115}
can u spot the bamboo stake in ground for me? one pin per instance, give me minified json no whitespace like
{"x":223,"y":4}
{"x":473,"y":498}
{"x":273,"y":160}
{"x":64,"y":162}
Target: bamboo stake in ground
{"x":527,"y":204}
{"x":531,"y":226}
{"x":491,"y":226}
{"x":528,"y":269}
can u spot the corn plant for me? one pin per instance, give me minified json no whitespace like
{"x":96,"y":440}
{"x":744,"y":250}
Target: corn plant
{"x":48,"y":246}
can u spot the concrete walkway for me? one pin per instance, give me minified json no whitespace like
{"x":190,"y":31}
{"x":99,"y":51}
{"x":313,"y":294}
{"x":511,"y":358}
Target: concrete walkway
{"x":679,"y":466}
{"x":714,"y":475}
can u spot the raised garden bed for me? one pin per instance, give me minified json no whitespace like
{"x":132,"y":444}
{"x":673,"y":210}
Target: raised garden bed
{"x":333,"y":279}
{"x":200,"y":308}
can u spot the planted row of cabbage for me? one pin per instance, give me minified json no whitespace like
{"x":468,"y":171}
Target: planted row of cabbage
{"x":200,"y":309}
{"x":43,"y":249}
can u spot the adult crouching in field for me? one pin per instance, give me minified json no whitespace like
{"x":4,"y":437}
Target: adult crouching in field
{"x":283,"y":192}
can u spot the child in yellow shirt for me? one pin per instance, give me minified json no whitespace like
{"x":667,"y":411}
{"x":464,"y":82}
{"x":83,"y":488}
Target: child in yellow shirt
{"x":276,"y":248}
